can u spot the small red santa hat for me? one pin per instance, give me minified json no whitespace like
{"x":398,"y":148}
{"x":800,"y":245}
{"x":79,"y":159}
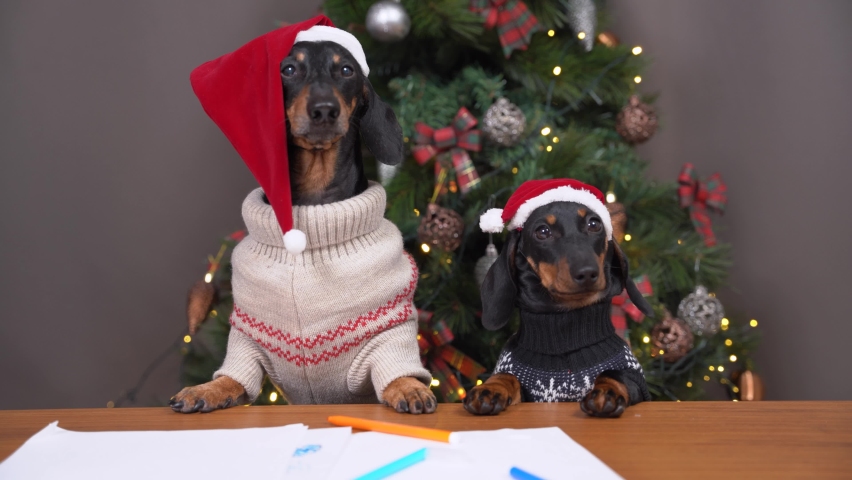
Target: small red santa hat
{"x":241,"y":92}
{"x":536,"y":193}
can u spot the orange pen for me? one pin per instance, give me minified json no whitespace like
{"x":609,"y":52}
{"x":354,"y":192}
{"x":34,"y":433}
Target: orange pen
{"x":394,"y":428}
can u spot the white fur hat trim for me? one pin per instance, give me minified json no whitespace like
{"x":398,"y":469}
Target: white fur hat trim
{"x":563,"y":194}
{"x":321,"y":33}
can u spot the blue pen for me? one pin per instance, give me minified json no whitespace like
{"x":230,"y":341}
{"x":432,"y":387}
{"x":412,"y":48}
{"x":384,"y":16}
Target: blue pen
{"x":516,"y":472}
{"x":395,"y":466}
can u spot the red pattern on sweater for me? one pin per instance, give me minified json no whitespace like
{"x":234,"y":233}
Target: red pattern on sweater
{"x":251,"y":323}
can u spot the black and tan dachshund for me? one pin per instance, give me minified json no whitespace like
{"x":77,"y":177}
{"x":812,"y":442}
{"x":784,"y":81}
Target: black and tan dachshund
{"x":331,"y":108}
{"x":561,"y":272}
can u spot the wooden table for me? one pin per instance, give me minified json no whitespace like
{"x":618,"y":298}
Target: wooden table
{"x":652,"y":440}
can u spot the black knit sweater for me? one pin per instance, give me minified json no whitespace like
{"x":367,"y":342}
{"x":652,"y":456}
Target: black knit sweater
{"x":557,"y":356}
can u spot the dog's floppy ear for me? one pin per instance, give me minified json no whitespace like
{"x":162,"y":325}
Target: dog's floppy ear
{"x":499,"y":290}
{"x":380,"y":130}
{"x":621,"y":271}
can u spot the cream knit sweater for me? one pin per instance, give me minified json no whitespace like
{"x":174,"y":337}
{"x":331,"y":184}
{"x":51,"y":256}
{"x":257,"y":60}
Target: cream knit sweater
{"x":334,"y":324}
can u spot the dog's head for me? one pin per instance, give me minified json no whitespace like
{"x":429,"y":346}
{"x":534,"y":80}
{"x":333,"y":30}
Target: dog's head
{"x":326,"y":94}
{"x":560,"y":260}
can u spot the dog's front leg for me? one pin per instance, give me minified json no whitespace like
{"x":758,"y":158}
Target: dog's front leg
{"x":408,"y":394}
{"x":493,"y":396}
{"x":608,"y":398}
{"x":223,"y":392}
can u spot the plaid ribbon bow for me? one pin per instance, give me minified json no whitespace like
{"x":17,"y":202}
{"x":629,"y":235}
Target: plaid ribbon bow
{"x":515,"y":24}
{"x":450,"y":145}
{"x":436,"y":355}
{"x":700,"y":196}
{"x":623,"y":307}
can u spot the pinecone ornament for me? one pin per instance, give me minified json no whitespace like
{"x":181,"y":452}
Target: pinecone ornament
{"x":441,"y":227}
{"x":637,"y":121}
{"x":672,"y":337}
{"x":504,"y":123}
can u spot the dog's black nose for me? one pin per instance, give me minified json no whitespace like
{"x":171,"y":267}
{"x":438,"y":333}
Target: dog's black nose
{"x":585,"y":276}
{"x":324,"y":111}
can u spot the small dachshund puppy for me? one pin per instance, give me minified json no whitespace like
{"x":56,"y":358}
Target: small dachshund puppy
{"x":561,"y":271}
{"x":331,"y":108}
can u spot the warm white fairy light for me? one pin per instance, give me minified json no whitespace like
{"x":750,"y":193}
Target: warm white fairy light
{"x":187,"y":339}
{"x":646,"y":339}
{"x":549,"y":148}
{"x":628,"y":237}
{"x":515,"y":170}
{"x":551,"y":33}
{"x":637,"y":79}
{"x":416,"y":212}
{"x":753,"y":322}
{"x":725,"y":321}
{"x":610,"y":197}
{"x":425,"y":248}
{"x":581,"y":35}
{"x":435,"y":382}
{"x":689,"y":384}
{"x":557,"y":70}
{"x":721,"y":368}
{"x":479,"y":382}
{"x":728,"y":342}
{"x":637,"y":50}
{"x":733,"y":358}
{"x":711,"y":367}
{"x":273,"y":397}
{"x":208,"y":278}
{"x":545,"y":131}
{"x":555,"y":139}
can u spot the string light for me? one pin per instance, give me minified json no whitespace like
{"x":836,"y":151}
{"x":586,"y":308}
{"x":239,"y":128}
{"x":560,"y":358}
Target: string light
{"x":273,"y":397}
{"x":436,"y":382}
{"x":549,"y":148}
{"x":551,"y":33}
{"x":405,"y":139}
{"x":419,"y":336}
{"x":425,"y":248}
{"x":723,"y":381}
{"x":187,"y":339}
{"x":729,"y":342}
{"x":208,"y":278}
{"x":213,"y":313}
{"x":637,"y":50}
{"x":735,"y":389}
{"x":688,"y":384}
{"x":557,"y":70}
{"x":461,"y":392}
{"x":416,"y":212}
{"x":545,"y":131}
{"x":735,"y":400}
{"x":706,"y":378}
{"x":555,"y":139}
{"x":724,"y":327}
{"x":662,"y":352}
{"x":449,"y":261}
{"x":725,"y":321}
{"x":721,"y":368}
{"x":581,"y":35}
{"x":479,"y":382}
{"x":610,"y":197}
{"x":753,"y":322}
{"x":733,"y":358}
{"x":627,"y":237}
{"x":712,"y":368}
{"x":646,"y":339}
{"x":679,"y":241}
{"x":515,"y":170}
{"x":637,"y":79}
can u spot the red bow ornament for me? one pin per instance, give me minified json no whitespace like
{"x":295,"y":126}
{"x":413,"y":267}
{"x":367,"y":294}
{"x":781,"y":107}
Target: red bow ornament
{"x":515,"y":24}
{"x":437,"y":355}
{"x":450,"y":145}
{"x":701,"y":196}
{"x":622,"y":306}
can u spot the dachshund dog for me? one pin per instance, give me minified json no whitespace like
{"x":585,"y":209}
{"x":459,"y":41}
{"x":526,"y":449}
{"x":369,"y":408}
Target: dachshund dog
{"x":561,"y":272}
{"x":331,"y":108}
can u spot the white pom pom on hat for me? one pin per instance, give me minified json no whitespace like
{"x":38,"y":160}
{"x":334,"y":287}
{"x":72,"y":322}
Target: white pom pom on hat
{"x":295,"y":241}
{"x":536,"y":193}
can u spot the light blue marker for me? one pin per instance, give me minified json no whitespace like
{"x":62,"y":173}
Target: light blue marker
{"x":395,"y":466}
{"x":519,"y":474}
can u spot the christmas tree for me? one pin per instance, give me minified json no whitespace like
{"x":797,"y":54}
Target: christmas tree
{"x":491,"y":94}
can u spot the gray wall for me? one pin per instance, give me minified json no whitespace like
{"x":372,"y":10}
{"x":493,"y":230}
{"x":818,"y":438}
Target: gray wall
{"x":115,"y":186}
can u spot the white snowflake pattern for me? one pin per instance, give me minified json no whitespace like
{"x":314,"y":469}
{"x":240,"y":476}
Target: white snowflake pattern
{"x":504,"y":363}
{"x":560,"y":393}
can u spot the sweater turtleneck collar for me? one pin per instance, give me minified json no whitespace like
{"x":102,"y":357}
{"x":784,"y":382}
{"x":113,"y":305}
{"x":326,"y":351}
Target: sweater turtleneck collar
{"x":324,"y":225}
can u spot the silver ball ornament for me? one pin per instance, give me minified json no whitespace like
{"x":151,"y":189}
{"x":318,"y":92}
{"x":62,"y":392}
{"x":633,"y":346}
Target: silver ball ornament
{"x":387,"y":21}
{"x":504,"y":123}
{"x":484,"y":263}
{"x":702,"y":312}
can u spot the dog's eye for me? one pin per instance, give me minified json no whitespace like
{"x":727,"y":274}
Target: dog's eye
{"x":594,"y":225}
{"x":288,"y":70}
{"x":347,"y":71}
{"x":543,"y":232}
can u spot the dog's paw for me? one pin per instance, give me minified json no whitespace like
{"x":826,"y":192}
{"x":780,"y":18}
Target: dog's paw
{"x":409,"y":395}
{"x":221,"y":393}
{"x":493,"y":396}
{"x":608,"y":398}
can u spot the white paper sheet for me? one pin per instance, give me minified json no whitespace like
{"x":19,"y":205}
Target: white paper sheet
{"x":55,"y":453}
{"x":317,"y":453}
{"x":546,"y":452}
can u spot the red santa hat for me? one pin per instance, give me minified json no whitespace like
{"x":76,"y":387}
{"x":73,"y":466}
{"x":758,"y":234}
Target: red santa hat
{"x":241,"y":92}
{"x":536,"y":193}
